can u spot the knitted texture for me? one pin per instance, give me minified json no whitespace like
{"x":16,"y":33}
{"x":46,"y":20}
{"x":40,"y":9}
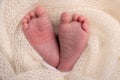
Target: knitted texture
{"x":19,"y":61}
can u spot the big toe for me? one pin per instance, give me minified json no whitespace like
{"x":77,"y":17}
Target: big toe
{"x":40,"y":11}
{"x":65,"y":18}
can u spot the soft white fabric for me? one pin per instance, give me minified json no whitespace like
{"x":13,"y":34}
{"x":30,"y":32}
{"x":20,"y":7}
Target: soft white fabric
{"x":19,"y":61}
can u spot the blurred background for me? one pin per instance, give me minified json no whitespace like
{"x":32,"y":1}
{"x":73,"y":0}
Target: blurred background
{"x":109,"y":6}
{"x":112,"y":7}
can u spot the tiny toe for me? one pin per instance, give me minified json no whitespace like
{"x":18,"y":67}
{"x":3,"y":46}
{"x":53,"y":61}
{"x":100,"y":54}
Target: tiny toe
{"x":81,"y":18}
{"x":40,"y":11}
{"x":75,"y":17}
{"x":27,"y":17}
{"x":24,"y":21}
{"x":32,"y":14}
{"x":25,"y":26}
{"x":86,"y":21}
{"x":85,"y":27}
{"x":65,"y":18}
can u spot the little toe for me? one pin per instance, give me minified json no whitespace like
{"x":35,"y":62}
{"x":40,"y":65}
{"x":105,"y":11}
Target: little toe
{"x":86,"y":21}
{"x":25,"y":26}
{"x":65,"y":18}
{"x":75,"y":17}
{"x":85,"y":25}
{"x":40,"y":11}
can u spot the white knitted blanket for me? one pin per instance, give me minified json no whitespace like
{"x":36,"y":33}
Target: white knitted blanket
{"x":19,"y":61}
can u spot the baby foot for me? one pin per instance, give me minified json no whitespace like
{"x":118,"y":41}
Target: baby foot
{"x":73,"y":36}
{"x":39,"y":32}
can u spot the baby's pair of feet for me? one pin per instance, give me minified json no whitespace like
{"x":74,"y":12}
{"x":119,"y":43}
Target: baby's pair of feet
{"x":73,"y":35}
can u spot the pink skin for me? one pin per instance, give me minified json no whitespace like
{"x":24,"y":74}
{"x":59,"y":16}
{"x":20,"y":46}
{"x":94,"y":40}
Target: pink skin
{"x":39,"y":32}
{"x":73,"y":35}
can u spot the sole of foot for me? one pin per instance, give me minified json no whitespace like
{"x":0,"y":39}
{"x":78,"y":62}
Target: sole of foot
{"x":73,"y":35}
{"x":39,"y":32}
